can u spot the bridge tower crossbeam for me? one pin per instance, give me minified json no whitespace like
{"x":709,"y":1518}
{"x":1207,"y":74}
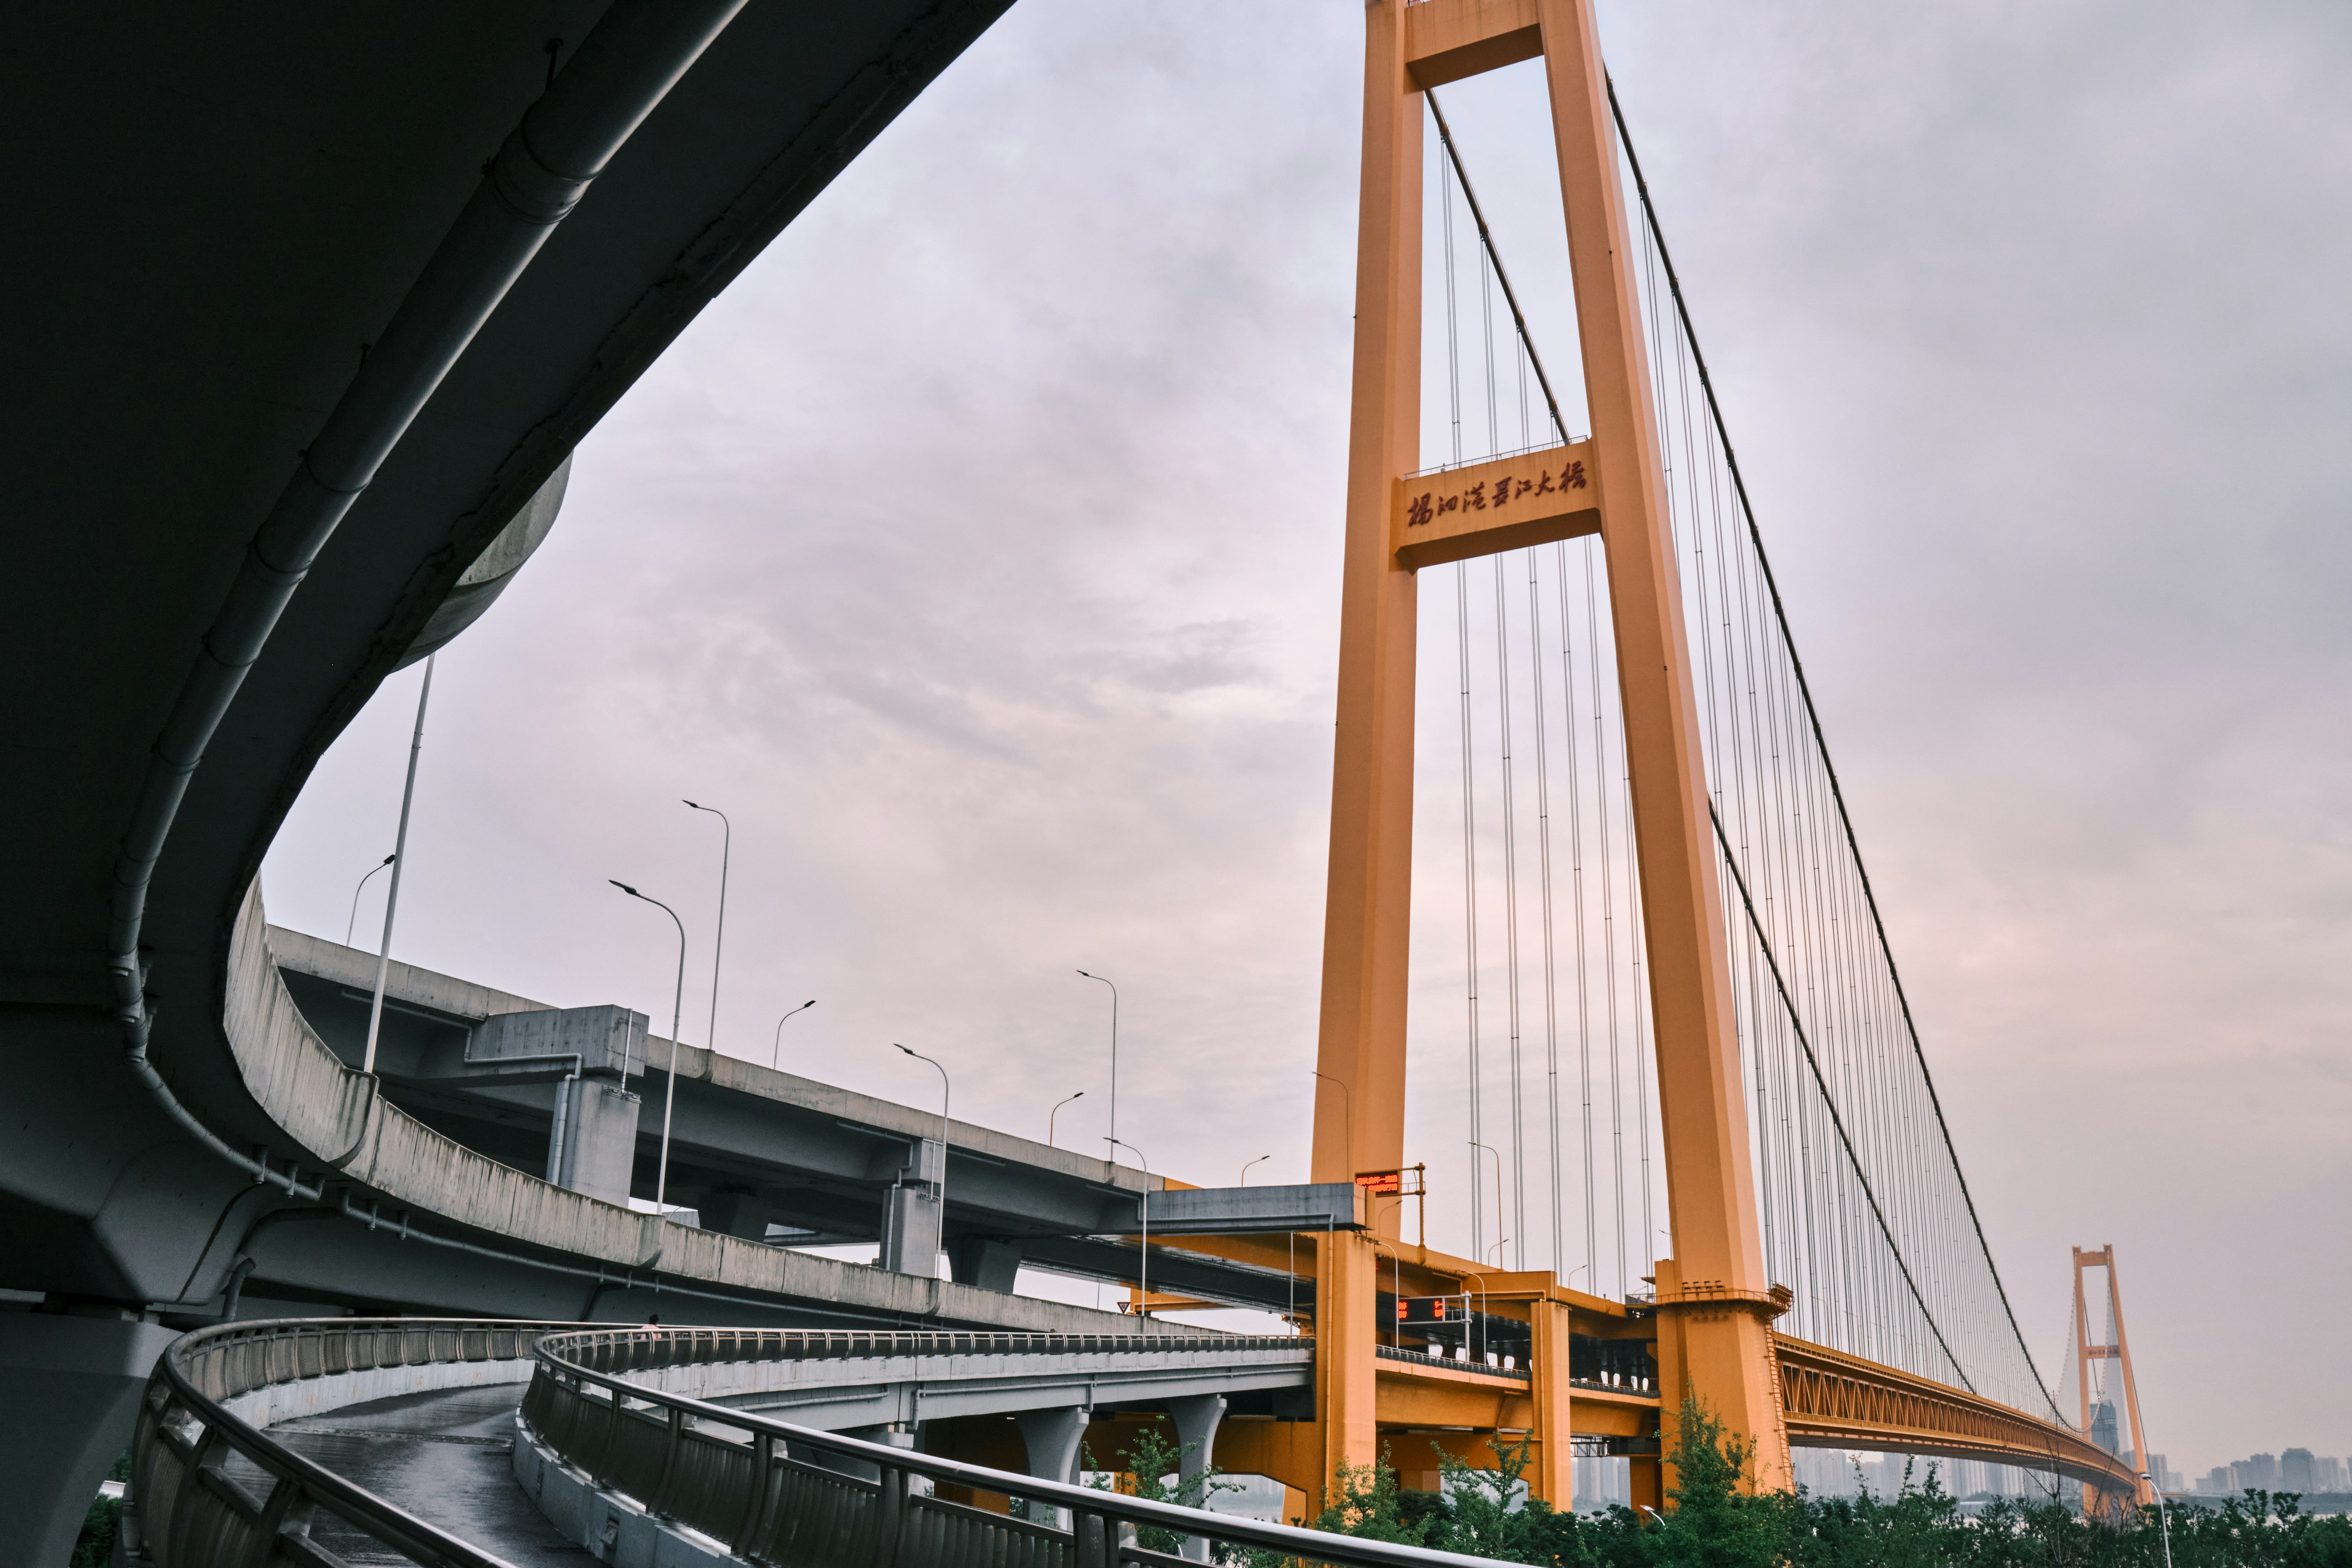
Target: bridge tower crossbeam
{"x":1715,"y":1304}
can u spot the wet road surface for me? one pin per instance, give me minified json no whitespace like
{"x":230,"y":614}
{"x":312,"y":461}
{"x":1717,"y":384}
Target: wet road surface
{"x":445,"y":1457}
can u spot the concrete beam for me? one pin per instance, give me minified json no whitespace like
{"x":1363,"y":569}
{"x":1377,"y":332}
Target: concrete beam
{"x":1240,"y":1210}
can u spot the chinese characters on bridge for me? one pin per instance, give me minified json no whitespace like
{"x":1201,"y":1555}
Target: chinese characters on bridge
{"x":1428,"y":505}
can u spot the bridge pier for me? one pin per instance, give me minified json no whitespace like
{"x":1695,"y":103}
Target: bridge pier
{"x":1550,"y":1325}
{"x":986,"y":1262}
{"x":910,"y":1232}
{"x":1052,"y":1439}
{"x":1196,"y":1420}
{"x":1347,"y":1347}
{"x":70,"y":1386}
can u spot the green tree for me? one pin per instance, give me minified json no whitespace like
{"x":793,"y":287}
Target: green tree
{"x":1715,"y":1524}
{"x":1155,"y":1464}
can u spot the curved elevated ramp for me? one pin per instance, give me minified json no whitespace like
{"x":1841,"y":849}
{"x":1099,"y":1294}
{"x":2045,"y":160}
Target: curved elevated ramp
{"x":402,"y":1426}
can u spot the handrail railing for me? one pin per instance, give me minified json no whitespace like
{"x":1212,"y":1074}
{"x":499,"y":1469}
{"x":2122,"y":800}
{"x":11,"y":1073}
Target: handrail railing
{"x":781,"y":1494}
{"x":616,"y":1350}
{"x":189,"y":1513}
{"x":775,"y":1500}
{"x":1518,"y":1371}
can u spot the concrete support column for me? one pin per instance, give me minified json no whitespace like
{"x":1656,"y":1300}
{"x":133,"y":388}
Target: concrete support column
{"x":888,"y":1436}
{"x":984,"y":1261}
{"x":1196,"y":1421}
{"x":600,"y":1139}
{"x":1347,"y":1340}
{"x":742,"y":1215}
{"x":1052,"y":1438}
{"x":1548,"y":1475}
{"x":71,"y":1388}
{"x":910,"y":1232}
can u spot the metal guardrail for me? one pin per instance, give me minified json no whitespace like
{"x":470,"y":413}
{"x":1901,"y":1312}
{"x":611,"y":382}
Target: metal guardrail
{"x":781,"y":1495}
{"x":186,"y":1511}
{"x":1519,"y":1372}
{"x":623,"y":1350}
{"x":769,"y":1494}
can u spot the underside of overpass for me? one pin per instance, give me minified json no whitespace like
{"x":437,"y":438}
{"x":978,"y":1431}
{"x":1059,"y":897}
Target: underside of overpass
{"x":213,"y":215}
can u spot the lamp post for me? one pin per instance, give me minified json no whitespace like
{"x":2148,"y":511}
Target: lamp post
{"x":718,"y":942}
{"x":776,"y":1059}
{"x":1143,"y":1280}
{"x":1499,"y":1238}
{"x":1056,"y":1111}
{"x":939,"y":1190}
{"x":399,"y":864}
{"x":352,"y":924}
{"x":1245,"y":1170}
{"x":677,"y":1010}
{"x":1465,"y":1276}
{"x":2163,"y":1518}
{"x":1348,"y":1110}
{"x":1114,"y":1056}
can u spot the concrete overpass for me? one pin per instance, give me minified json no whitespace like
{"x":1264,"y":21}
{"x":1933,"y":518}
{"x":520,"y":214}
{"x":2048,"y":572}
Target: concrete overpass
{"x":771,"y":1156}
{"x":318,"y":301}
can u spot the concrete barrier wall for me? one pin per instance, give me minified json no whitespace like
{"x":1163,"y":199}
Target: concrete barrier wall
{"x":615,"y":1529}
{"x":277,"y":1402}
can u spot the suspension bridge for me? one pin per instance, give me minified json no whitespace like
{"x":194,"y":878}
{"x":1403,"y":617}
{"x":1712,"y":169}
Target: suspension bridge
{"x":1691,"y":1077}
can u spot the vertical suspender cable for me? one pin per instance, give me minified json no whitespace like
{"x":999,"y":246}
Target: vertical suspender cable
{"x":1470,"y":900}
{"x":1510,"y":912}
{"x":1576,"y":885}
{"x":1559,"y":1256}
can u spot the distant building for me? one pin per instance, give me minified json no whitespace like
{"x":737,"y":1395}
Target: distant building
{"x":2328,"y":1475}
{"x":2294,"y":1471}
{"x":2102,"y":1426}
{"x":2219,"y":1478}
{"x":2261,"y":1470}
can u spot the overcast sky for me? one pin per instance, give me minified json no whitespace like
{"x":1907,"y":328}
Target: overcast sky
{"x":978,"y":552}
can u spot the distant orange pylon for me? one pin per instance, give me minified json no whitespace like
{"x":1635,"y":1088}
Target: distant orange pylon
{"x":2086,"y":1353}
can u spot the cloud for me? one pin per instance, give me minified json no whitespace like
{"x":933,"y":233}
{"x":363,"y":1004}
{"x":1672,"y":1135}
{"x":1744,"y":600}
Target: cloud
{"x":978,"y":552}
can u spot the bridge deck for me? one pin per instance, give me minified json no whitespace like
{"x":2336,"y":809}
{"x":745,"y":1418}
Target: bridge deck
{"x":444,"y":1456}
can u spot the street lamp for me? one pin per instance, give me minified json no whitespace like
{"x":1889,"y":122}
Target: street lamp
{"x":776,"y":1059}
{"x":1056,"y":1111}
{"x":1349,"y":1112}
{"x":939,"y":1191}
{"x":2163,"y":1518}
{"x":677,"y":1010}
{"x":1500,"y":1237}
{"x":399,"y":864}
{"x":352,"y":924}
{"x":1143,"y":1283}
{"x":1114,"y":1054}
{"x":718,"y":943}
{"x":1479,"y":1326}
{"x":1245,"y":1170}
